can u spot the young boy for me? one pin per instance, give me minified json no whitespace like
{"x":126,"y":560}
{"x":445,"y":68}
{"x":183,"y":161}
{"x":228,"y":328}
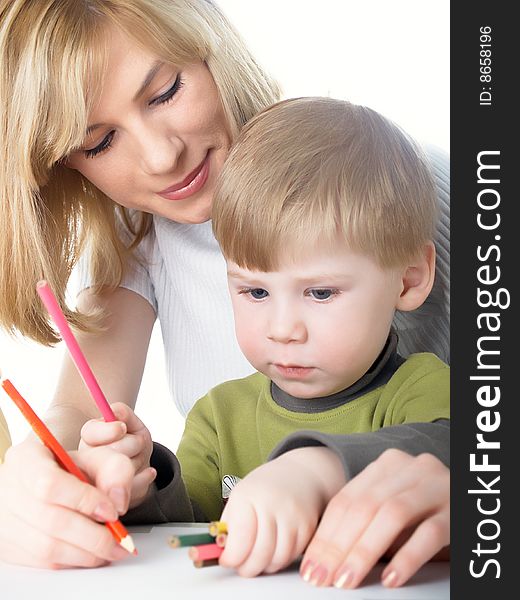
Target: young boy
{"x":325,"y":213}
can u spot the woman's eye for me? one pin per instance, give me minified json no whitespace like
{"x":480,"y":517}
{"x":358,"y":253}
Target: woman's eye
{"x":104,"y":145}
{"x":322,"y":294}
{"x":169,"y":94}
{"x":258,"y":293}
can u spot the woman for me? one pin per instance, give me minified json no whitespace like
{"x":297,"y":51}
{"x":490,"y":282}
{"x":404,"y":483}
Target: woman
{"x":135,"y":102}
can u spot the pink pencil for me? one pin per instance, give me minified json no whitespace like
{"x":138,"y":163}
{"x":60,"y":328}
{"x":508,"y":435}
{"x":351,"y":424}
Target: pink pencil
{"x":51,"y":304}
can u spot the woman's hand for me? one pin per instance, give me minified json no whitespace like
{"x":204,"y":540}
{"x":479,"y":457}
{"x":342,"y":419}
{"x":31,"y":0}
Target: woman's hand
{"x":398,"y":501}
{"x":272,"y":513}
{"x":49,"y":518}
{"x":130,"y":437}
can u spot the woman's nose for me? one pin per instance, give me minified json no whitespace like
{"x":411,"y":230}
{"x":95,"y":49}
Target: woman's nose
{"x":160,"y":152}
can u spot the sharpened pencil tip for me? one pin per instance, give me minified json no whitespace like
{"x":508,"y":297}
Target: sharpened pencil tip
{"x":128,"y":545}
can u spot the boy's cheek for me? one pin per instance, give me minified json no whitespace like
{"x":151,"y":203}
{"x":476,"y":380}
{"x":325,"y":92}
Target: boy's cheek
{"x":250,"y":343}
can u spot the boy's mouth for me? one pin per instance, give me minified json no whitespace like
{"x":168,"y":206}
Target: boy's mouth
{"x":293,"y":371}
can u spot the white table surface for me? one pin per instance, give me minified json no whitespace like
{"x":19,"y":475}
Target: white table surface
{"x":159,"y":572}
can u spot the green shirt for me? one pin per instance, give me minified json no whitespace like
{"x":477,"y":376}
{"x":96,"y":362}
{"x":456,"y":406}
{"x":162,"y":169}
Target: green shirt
{"x":233,"y":429}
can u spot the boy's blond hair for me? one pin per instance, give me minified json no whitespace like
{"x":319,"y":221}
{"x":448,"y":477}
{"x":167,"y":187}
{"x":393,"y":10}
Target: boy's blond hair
{"x":308,"y":169}
{"x":52,"y":59}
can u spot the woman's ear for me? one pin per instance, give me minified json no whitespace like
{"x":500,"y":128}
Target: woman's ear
{"x":417,"y":279}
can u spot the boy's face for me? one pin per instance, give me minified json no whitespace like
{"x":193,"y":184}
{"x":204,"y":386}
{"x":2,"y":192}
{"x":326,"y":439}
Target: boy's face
{"x":315,"y":326}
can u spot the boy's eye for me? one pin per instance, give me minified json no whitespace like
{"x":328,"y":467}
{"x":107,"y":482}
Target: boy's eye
{"x":322,"y":294}
{"x":258,"y":293}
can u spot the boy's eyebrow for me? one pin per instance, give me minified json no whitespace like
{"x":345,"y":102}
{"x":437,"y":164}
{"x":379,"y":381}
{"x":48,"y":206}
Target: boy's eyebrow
{"x":232,"y":273}
{"x":331,"y":277}
{"x":146,"y":82}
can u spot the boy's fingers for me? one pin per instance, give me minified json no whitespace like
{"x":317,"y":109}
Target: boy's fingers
{"x":97,"y":432}
{"x":124,"y":413}
{"x":242,"y":530}
{"x":141,"y":485}
{"x":132,"y":446}
{"x":262,"y":551}
{"x":286,"y":549}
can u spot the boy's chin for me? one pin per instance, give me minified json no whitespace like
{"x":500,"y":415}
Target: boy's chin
{"x":302,"y":390}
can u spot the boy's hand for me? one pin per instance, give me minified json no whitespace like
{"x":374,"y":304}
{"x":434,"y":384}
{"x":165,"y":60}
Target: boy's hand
{"x":130,"y":437}
{"x":272,"y":513}
{"x":49,"y":518}
{"x":397,"y":501}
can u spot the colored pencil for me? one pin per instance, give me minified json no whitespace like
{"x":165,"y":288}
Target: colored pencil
{"x":216,"y":527}
{"x":52,"y":306}
{"x":220,"y":540}
{"x":196,"y":539}
{"x":205,"y":552}
{"x":211,"y":562}
{"x":116,"y":527}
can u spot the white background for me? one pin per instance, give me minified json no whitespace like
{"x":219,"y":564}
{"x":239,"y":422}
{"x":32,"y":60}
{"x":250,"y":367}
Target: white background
{"x":392,"y":55}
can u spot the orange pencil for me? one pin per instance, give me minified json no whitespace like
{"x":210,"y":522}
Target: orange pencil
{"x":116,"y":527}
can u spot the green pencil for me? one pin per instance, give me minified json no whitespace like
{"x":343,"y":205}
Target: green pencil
{"x":195,"y":539}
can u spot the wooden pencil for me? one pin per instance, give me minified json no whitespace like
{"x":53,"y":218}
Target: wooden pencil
{"x":116,"y":527}
{"x":195,"y":539}
{"x":216,"y":527}
{"x":220,"y":540}
{"x":211,"y":562}
{"x":205,"y":552}
{"x":54,"y":309}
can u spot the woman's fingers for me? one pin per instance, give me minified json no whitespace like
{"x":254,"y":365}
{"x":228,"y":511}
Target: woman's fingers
{"x":371,"y":512}
{"x":48,"y":516}
{"x":110,"y":472}
{"x":33,"y":548}
{"x":432,"y":535}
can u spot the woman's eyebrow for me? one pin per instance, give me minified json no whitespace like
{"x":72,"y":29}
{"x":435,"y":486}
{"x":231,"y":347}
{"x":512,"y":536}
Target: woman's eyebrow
{"x":146,"y":82}
{"x":148,"y":79}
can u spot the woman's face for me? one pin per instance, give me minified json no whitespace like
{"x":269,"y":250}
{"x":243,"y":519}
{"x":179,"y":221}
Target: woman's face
{"x":157,"y":137}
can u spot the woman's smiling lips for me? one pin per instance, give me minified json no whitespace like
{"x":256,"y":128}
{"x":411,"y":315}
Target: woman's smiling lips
{"x":293,"y":371}
{"x":190,"y":185}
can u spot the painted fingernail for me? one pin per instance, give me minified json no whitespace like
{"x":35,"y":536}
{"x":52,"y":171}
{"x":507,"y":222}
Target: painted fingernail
{"x":118,"y":497}
{"x":390,"y":580}
{"x":104,"y":512}
{"x":318,"y":576}
{"x":306,"y":570}
{"x":344,"y":578}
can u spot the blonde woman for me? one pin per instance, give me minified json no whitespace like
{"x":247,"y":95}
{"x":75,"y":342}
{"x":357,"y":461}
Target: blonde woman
{"x":116,"y":118}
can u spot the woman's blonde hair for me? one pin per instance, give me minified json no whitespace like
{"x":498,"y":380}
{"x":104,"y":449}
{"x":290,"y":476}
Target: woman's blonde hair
{"x":52,"y":59}
{"x":306,"y":170}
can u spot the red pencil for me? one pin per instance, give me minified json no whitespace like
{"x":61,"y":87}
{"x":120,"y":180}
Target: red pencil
{"x":116,"y":527}
{"x":205,"y":552}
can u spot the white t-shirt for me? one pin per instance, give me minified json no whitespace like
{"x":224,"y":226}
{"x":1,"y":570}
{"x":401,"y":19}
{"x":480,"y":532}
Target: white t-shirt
{"x":185,"y":282}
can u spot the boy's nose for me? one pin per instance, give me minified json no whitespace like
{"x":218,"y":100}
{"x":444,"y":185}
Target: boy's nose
{"x":286,"y":327}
